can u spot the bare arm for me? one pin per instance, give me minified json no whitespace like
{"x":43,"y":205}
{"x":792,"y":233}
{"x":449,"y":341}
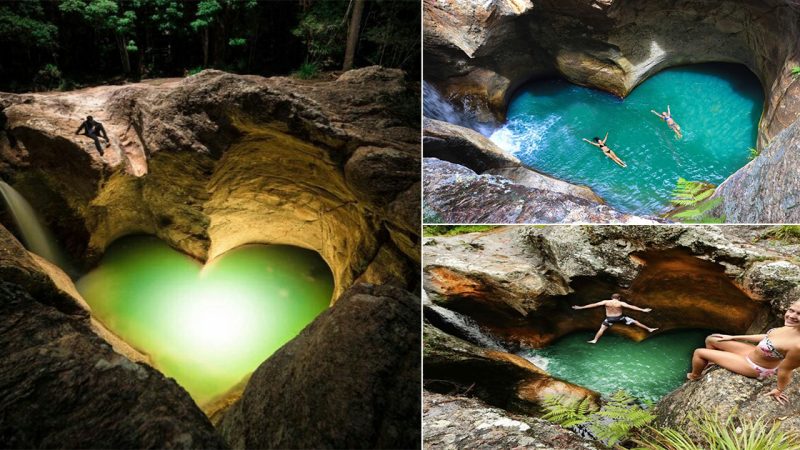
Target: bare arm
{"x":83,"y":125}
{"x":785,"y":369}
{"x":746,"y":337}
{"x":659,"y":115}
{"x":669,"y":113}
{"x":593,"y":143}
{"x":591,"y":305}
{"x":635,"y":308}
{"x":605,"y":138}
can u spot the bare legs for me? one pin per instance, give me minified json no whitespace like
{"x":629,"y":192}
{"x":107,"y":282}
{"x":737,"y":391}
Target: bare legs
{"x":728,"y":354}
{"x":603,"y":329}
{"x":600,"y":332}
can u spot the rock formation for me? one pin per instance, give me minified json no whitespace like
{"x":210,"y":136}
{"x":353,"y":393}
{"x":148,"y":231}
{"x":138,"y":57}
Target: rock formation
{"x":518,"y":283}
{"x":478,"y":53}
{"x":350,"y":380}
{"x":208,"y":163}
{"x":216,"y":160}
{"x":463,"y":422}
{"x":521,"y":282}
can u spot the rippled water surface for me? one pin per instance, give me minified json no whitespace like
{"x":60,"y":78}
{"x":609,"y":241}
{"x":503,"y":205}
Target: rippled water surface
{"x":718,"y":107}
{"x":649,"y":369}
{"x":209,"y":326}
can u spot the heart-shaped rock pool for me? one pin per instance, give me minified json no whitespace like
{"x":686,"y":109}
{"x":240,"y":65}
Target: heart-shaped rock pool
{"x":206,"y":326}
{"x":717,"y":106}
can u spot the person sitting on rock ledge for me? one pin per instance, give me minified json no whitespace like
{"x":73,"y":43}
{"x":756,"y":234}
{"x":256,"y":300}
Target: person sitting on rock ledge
{"x":601,"y":144}
{"x":666,"y":116}
{"x":614,"y":315}
{"x":775,"y":353}
{"x":93,"y":129}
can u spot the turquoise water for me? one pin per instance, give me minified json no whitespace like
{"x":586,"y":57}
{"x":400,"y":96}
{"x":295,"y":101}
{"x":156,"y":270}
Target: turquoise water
{"x":717,"y":106}
{"x":649,"y":369}
{"x":206,"y":326}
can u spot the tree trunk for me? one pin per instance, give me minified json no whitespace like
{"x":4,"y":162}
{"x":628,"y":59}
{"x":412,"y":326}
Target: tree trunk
{"x":123,"y":54}
{"x":205,"y":46}
{"x":352,"y":35}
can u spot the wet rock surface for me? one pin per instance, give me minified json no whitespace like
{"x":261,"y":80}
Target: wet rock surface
{"x":455,"y":194}
{"x":322,"y":383}
{"x":476,"y":54}
{"x":497,"y":377}
{"x":63,"y":386}
{"x":452,"y":422}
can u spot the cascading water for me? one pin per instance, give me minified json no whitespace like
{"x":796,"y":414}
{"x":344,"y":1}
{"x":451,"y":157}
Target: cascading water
{"x":35,"y":236}
{"x":465,"y":328}
{"x":435,"y":106}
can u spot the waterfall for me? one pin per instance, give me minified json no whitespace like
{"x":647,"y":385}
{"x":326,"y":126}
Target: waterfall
{"x":435,"y":106}
{"x":35,"y":237}
{"x":463,"y":327}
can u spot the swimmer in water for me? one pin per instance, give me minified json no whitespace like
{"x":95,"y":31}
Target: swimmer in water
{"x":601,"y":144}
{"x":667,"y":117}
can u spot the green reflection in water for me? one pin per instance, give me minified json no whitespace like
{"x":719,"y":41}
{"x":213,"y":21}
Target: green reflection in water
{"x":649,"y":369}
{"x":207,"y":327}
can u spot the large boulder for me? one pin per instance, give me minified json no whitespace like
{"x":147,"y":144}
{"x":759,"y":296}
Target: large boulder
{"x":67,"y":382}
{"x":456,"y":194}
{"x":351,"y":379}
{"x":725,"y":393}
{"x":451,"y":422}
{"x":497,"y":377}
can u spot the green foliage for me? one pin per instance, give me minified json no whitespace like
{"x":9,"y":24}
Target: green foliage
{"x":616,"y":421}
{"x":323,"y":30}
{"x":567,"y":412}
{"x":207,"y":11}
{"x":452,"y":230}
{"x":48,"y":77}
{"x":789,"y":233}
{"x":24,"y":23}
{"x":753,"y":153}
{"x":395,"y":43}
{"x":131,"y":47}
{"x":237,"y":42}
{"x":307,"y":70}
{"x":795,"y":71}
{"x":718,"y":433}
{"x":694,"y":202}
{"x":195,"y":70}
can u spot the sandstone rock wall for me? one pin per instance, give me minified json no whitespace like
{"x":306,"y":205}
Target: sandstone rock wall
{"x":216,"y":160}
{"x":519,"y":282}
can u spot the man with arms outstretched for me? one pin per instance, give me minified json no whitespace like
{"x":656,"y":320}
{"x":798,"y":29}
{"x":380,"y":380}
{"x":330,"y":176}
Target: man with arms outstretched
{"x":614,"y":315}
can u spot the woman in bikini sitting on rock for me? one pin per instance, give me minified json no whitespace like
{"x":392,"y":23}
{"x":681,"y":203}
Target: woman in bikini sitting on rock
{"x":601,"y":144}
{"x":775,"y":353}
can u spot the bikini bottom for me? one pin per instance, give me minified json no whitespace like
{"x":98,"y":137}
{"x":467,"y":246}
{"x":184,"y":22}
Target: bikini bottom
{"x":761,"y":371}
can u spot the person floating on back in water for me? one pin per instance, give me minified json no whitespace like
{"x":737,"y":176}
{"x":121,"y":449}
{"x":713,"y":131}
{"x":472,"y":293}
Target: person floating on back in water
{"x":93,"y":129}
{"x":614,"y":315}
{"x":601,"y":144}
{"x":667,"y":117}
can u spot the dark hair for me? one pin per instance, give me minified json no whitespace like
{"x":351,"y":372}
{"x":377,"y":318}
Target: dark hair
{"x":89,"y":118}
{"x":596,"y":139}
{"x":615,"y":296}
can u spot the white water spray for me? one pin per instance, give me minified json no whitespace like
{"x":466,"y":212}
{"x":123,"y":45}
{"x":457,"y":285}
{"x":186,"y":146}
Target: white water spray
{"x":35,"y":236}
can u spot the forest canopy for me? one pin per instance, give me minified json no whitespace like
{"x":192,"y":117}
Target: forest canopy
{"x":66,"y":43}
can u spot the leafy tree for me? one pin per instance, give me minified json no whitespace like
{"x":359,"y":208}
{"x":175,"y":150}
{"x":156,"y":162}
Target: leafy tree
{"x":23,"y":23}
{"x":393,"y":30}
{"x":207,"y":11}
{"x":322,"y":29}
{"x":352,"y":34}
{"x":108,"y":15}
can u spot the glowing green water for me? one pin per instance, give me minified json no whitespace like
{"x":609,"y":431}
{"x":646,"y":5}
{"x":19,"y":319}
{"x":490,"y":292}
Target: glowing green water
{"x":207,"y":328}
{"x":718,"y":107}
{"x":649,"y":369}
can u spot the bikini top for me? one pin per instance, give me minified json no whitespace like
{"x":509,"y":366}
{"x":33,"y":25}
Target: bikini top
{"x":768,"y":349}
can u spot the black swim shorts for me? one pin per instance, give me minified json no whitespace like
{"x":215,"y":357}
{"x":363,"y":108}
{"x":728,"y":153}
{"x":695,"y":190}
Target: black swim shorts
{"x":611,"y":320}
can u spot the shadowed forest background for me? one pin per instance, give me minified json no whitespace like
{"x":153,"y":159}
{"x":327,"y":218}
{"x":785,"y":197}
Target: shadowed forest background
{"x":65,"y":44}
